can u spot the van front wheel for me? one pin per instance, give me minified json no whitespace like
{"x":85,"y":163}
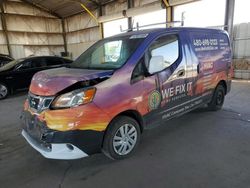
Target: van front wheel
{"x":121,"y":138}
{"x":218,"y":99}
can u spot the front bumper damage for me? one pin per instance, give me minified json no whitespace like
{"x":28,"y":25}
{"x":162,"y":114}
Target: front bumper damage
{"x":55,"y":151}
{"x":53,"y":144}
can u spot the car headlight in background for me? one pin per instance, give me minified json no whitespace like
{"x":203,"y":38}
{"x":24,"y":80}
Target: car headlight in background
{"x":74,"y":98}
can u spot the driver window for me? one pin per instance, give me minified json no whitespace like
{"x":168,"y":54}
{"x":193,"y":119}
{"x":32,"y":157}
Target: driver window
{"x":165,"y":48}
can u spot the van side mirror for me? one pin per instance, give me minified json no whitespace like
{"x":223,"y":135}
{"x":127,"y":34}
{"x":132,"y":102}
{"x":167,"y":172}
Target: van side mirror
{"x":156,"y":64}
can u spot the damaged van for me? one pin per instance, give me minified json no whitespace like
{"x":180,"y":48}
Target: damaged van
{"x":123,"y":85}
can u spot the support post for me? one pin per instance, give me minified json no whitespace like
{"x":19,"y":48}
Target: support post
{"x":229,"y":16}
{"x":130,"y":20}
{"x":170,"y":12}
{"x":4,"y":26}
{"x":64,"y":36}
{"x":100,"y":13}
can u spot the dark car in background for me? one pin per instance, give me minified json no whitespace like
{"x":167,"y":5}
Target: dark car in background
{"x":4,"y":59}
{"x":17,"y":74}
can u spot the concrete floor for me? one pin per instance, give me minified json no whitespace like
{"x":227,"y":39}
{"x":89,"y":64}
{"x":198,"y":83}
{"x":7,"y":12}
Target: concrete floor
{"x":199,"y":149}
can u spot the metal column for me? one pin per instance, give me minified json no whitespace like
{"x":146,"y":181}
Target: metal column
{"x":4,"y":26}
{"x":229,"y":16}
{"x":130,"y":21}
{"x":100,"y":13}
{"x":64,"y":37}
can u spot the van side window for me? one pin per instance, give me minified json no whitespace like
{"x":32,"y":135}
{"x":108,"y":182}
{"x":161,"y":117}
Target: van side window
{"x":138,"y":73}
{"x":165,"y":49}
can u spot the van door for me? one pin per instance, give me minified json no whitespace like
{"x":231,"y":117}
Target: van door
{"x":210,"y":56}
{"x":167,"y":73}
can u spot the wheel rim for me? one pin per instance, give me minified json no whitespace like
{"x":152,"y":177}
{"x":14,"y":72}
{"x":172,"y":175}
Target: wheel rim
{"x":219,"y":99}
{"x":3,"y":91}
{"x":125,"y":139}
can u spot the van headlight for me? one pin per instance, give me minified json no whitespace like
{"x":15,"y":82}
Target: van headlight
{"x":74,"y":98}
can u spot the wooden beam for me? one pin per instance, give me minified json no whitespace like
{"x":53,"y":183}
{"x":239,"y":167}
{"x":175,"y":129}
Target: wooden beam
{"x":4,"y":26}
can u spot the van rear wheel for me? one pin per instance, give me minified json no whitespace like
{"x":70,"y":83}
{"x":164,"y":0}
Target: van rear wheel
{"x":218,"y":99}
{"x":121,"y":138}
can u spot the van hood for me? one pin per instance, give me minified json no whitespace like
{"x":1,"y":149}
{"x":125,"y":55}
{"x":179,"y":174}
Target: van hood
{"x":50,"y":82}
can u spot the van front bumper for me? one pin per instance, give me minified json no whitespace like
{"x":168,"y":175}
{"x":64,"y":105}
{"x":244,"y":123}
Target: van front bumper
{"x":55,"y":151}
{"x":54,"y":144}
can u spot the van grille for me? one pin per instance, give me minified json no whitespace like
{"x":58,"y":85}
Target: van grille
{"x":39,"y":103}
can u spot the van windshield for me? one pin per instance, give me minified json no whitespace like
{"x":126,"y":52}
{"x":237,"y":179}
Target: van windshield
{"x":108,"y":54}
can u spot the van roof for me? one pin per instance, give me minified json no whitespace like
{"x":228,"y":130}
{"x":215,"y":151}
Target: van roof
{"x":172,"y":29}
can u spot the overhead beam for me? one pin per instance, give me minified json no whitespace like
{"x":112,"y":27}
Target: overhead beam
{"x":80,"y":11}
{"x":38,"y":6}
{"x":108,"y":2}
{"x":4,"y":26}
{"x":61,"y":6}
{"x":95,"y":2}
{"x":89,"y":12}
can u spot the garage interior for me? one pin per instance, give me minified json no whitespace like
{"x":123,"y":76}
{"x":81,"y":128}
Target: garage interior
{"x":199,"y":149}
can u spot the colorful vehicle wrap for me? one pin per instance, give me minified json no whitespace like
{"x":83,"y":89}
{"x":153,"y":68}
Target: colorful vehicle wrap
{"x":204,"y":61}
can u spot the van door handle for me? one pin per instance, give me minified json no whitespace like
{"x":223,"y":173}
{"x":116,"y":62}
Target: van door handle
{"x":181,"y":73}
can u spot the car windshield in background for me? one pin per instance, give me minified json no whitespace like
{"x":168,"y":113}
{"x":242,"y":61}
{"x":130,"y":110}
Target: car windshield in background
{"x":108,"y":53}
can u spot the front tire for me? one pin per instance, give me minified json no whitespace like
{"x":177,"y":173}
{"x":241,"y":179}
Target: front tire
{"x":218,"y":99}
{"x":122,"y":138}
{"x":4,"y":91}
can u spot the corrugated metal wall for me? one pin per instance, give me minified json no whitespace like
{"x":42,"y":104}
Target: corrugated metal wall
{"x":82,"y":31}
{"x":3,"y":46}
{"x":31,"y":31}
{"x":241,"y":41}
{"x":35,"y":32}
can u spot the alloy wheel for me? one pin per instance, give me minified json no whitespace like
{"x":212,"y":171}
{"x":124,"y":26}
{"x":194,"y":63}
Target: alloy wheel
{"x":3,"y":91}
{"x":125,"y":139}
